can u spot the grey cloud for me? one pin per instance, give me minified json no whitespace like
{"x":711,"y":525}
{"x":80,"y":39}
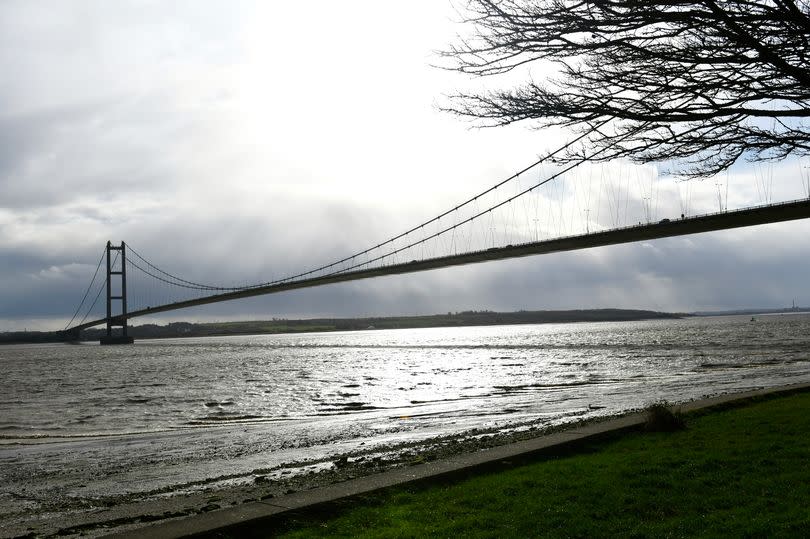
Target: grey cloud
{"x":101,"y":138}
{"x":103,"y":151}
{"x":39,"y":285}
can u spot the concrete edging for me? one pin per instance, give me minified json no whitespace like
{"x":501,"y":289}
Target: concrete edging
{"x":239,"y":519}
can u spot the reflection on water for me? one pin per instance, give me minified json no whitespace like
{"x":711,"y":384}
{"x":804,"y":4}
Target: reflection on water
{"x":168,"y":412}
{"x":154,"y":386}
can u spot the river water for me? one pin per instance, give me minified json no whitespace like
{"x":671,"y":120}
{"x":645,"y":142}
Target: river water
{"x":93,"y":424}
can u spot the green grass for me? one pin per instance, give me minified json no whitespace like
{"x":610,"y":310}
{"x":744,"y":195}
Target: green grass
{"x":741,"y":472}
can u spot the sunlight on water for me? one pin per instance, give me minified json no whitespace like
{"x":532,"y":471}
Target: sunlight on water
{"x":153,"y":386}
{"x":160,"y":415}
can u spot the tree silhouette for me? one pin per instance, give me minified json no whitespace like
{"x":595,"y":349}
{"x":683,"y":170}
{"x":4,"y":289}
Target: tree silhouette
{"x":700,"y":82}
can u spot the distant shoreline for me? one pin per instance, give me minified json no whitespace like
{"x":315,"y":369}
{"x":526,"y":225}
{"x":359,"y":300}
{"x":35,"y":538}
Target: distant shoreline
{"x":282,"y":325}
{"x":744,"y":312}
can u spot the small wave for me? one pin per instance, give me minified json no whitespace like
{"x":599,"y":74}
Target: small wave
{"x":217,"y":404}
{"x":60,"y":437}
{"x":218,"y":418}
{"x":746,"y":365}
{"x":525,"y":387}
{"x":431,"y":401}
{"x":345,"y":407}
{"x":713,"y":366}
{"x":345,"y":404}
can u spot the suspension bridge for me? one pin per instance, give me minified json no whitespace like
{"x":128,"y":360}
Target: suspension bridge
{"x":544,"y":208}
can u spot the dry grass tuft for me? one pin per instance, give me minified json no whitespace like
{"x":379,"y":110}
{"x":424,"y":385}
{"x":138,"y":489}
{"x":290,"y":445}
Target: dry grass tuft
{"x":661,"y":417}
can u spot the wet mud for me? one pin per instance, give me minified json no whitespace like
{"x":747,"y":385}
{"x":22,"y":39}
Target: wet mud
{"x":71,"y":514}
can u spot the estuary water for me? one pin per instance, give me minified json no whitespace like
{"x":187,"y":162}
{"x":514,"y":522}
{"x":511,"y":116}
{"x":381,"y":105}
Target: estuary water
{"x":85,"y":426}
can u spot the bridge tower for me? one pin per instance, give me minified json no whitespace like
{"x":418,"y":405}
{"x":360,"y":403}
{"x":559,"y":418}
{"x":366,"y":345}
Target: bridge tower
{"x":119,"y":320}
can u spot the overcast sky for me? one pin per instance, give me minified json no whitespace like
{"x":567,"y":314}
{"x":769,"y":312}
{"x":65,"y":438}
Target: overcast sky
{"x":234,"y":142}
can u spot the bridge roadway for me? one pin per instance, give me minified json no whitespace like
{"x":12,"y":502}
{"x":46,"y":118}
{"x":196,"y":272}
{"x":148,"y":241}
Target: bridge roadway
{"x":773,"y":213}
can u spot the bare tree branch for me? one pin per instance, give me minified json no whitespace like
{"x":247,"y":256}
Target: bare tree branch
{"x":688,"y":80}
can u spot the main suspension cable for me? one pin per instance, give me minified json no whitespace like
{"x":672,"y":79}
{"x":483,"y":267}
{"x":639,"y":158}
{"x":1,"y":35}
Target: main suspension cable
{"x":86,"y":292}
{"x":169,"y":278}
{"x":100,"y":289}
{"x":489,"y":210}
{"x":542,"y":159}
{"x":192,"y":284}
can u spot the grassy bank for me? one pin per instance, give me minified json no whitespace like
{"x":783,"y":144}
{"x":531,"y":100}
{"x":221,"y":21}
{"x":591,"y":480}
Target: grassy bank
{"x":741,"y":472}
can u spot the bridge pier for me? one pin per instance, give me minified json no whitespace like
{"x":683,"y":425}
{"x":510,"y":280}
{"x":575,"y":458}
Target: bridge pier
{"x":120,"y":320}
{"x":69,"y":335}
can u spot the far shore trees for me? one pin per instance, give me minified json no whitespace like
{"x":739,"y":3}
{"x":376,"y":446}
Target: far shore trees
{"x":701,"y":82}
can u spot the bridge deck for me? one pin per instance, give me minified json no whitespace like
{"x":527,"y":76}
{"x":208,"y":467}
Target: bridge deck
{"x":773,"y":213}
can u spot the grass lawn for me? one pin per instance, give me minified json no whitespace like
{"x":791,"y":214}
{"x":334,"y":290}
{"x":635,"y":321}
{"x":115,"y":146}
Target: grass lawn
{"x":740,"y":472}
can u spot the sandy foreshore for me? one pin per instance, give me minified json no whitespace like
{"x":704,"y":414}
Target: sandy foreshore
{"x":67,"y":517}
{"x":131,"y":512}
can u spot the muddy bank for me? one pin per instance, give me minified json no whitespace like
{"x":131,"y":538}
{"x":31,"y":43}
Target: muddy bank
{"x":64,"y":515}
{"x":101,"y":516}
